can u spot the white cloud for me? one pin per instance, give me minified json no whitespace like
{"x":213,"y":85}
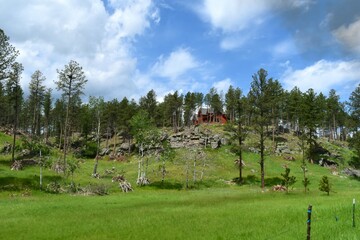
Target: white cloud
{"x":49,"y":34}
{"x":177,"y":64}
{"x":233,"y":16}
{"x":245,"y":16}
{"x":323,"y":76}
{"x":131,"y":19}
{"x":284,"y":48}
{"x":223,"y":85}
{"x":349,"y":35}
{"x":233,"y":42}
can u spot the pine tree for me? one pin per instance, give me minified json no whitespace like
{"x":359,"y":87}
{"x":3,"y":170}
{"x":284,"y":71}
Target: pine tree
{"x":276,"y":93}
{"x":238,"y":130}
{"x":288,"y":180}
{"x":294,"y":103}
{"x":259,"y":98}
{"x":8,"y":55}
{"x":189,"y":107}
{"x":36,"y":101}
{"x":333,"y":113}
{"x":148,"y":103}
{"x":354,"y":106}
{"x":71,"y":82}
{"x":325,"y":185}
{"x":310,"y":118}
{"x":47,"y":112}
{"x":15,"y":99}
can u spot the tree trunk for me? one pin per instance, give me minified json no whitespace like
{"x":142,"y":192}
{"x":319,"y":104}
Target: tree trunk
{"x":97,"y":149}
{"x":187,"y":173}
{"x":194,"y":178}
{"x":335,"y":130}
{"x":67,"y":123}
{"x":114,"y":148}
{"x":262,"y":157}
{"x":163,"y":170}
{"x":16,"y":106}
{"x":203,"y":169}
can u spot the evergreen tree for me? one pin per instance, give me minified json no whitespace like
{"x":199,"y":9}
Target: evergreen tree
{"x":47,"y":112}
{"x":333,"y":113}
{"x":58,"y":114}
{"x":276,"y":96}
{"x":310,"y":118}
{"x":231,"y":100}
{"x":238,"y":130}
{"x":325,"y":185}
{"x":199,"y":99}
{"x":148,"y":103}
{"x":294,"y":110}
{"x":354,"y":106}
{"x":8,"y":55}
{"x":71,"y":82}
{"x":36,"y":100}
{"x":288,"y":180}
{"x":172,"y":110}
{"x":189,"y":107}
{"x":259,"y":98}
{"x":15,"y":97}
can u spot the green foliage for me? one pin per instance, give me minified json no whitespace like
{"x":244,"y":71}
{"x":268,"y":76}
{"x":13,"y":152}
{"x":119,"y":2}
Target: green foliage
{"x":354,"y":105}
{"x":260,"y":98}
{"x":35,"y":147}
{"x":8,"y":55}
{"x":325,"y":185}
{"x":89,"y":150}
{"x":288,"y":180}
{"x":53,"y":187}
{"x":306,"y":183}
{"x":354,"y":143}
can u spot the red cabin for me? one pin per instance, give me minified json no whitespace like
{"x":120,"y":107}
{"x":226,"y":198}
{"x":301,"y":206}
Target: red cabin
{"x":207,"y":115}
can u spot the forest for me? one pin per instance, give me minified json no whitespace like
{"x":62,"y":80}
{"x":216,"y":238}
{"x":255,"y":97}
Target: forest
{"x":266,"y":106}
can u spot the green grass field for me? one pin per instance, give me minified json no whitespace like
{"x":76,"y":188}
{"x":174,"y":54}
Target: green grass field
{"x":213,"y":208}
{"x":232,"y":213}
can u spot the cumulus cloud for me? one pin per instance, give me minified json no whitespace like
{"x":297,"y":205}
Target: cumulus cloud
{"x":349,"y":35}
{"x":49,"y":34}
{"x":323,"y":76}
{"x":175,"y":65}
{"x":223,"y":85}
{"x":234,"y":17}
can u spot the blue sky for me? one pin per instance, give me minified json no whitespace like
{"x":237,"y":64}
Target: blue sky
{"x":128,"y":47}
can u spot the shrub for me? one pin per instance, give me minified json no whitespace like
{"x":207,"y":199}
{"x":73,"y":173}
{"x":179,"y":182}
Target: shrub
{"x":288,"y":180}
{"x":325,"y":185}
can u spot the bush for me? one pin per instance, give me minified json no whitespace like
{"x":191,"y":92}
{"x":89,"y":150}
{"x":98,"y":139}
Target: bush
{"x":53,"y":187}
{"x":33,"y":148}
{"x":325,"y":185}
{"x":288,"y":180}
{"x":95,"y":189}
{"x":88,"y":150}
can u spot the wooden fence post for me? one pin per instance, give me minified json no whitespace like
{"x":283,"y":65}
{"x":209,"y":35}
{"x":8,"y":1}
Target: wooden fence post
{"x":309,"y":222}
{"x":354,"y":212}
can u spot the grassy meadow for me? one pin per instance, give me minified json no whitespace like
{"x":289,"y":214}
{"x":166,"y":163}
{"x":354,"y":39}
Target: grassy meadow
{"x":212,"y":208}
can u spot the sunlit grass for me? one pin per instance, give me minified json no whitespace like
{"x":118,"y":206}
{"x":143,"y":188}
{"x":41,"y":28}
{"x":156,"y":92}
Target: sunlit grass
{"x":213,"y":208}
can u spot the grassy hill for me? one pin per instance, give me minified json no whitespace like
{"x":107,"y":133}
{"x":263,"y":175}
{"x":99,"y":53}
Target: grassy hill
{"x":213,"y":208}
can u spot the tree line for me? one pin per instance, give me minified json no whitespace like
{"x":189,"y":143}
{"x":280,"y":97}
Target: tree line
{"x":266,"y":109}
